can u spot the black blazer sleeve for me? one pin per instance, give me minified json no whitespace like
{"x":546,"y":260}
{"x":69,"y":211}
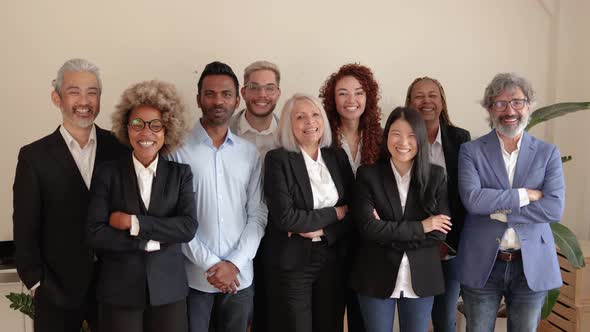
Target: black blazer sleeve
{"x":182,"y":226}
{"x":100,"y":234}
{"x":342,"y":229}
{"x":27,"y":206}
{"x":280,"y":187}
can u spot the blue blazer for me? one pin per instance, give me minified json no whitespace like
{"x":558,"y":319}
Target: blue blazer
{"x":485,"y":189}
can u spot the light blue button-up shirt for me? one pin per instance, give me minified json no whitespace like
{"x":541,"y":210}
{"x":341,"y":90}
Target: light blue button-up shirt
{"x":231,"y":214}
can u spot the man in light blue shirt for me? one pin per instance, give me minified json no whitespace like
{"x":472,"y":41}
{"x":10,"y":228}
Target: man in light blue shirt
{"x":230,"y":210}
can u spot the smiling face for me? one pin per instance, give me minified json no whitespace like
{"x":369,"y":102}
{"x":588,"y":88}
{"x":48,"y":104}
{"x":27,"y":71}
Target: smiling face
{"x":510,"y":122}
{"x":350,"y":97}
{"x":307,"y":124}
{"x":145,"y":143}
{"x":258,"y":101}
{"x":426,"y":98}
{"x":217,"y":99}
{"x":402,"y":144}
{"x":78,"y":99}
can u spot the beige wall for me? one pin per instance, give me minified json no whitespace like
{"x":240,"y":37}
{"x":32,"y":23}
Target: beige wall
{"x":461,"y":42}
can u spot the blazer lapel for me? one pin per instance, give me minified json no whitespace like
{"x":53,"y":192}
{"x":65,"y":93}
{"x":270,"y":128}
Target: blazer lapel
{"x":62,"y":155}
{"x":133,"y":199}
{"x":449,"y":151}
{"x":493,"y":154}
{"x":390,"y":187}
{"x":302,"y":178}
{"x":158,"y":185}
{"x":334,"y":169}
{"x":525,"y":158}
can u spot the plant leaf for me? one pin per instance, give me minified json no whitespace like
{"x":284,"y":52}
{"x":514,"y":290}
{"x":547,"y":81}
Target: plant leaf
{"x":549,"y":302}
{"x":556,"y":110}
{"x":568,"y":245}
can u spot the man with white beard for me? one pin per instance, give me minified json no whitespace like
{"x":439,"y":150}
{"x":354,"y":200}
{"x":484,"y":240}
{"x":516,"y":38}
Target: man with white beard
{"x":512,"y":187}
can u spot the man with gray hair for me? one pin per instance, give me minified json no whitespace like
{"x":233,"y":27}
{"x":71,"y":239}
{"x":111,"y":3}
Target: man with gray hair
{"x":257,"y":122}
{"x":512,"y":187}
{"x":51,"y":196}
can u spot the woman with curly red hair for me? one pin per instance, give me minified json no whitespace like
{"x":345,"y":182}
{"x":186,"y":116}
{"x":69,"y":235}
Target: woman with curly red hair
{"x":350,"y":98}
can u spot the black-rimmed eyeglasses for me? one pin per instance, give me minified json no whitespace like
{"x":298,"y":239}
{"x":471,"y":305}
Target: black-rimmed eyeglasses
{"x":138,"y":124}
{"x":516,"y":104}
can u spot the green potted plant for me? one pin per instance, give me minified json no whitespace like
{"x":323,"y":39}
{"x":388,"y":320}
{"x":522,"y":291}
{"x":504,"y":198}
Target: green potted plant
{"x":564,"y":238}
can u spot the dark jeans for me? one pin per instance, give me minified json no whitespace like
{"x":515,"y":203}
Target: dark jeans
{"x":444,"y":309}
{"x":228,"y":313}
{"x":168,"y":317}
{"x":310,"y":299}
{"x":378,"y":314}
{"x":523,"y":305}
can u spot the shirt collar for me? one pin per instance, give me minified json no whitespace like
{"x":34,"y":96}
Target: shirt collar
{"x":309,"y":162}
{"x":398,"y":177}
{"x":244,"y":126}
{"x":71,"y":142}
{"x":202,"y":135}
{"x":517,"y":143}
{"x":151,"y":169}
{"x":438,"y":138}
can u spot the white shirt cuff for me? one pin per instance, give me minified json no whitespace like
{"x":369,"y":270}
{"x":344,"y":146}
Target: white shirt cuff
{"x":523,"y":197}
{"x":152,"y":245}
{"x":134,"y":230}
{"x":499,"y":216}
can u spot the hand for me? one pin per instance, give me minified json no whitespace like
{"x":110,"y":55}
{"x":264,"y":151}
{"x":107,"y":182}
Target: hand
{"x":534,"y":195}
{"x":120,"y":220}
{"x":224,"y":276}
{"x":311,"y":235}
{"x":341,"y":211}
{"x":439,"y":223}
{"x":376,"y":215}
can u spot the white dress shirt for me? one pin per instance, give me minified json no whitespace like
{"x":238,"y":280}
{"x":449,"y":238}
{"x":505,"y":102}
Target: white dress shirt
{"x":510,"y":239}
{"x":264,"y":140}
{"x":323,"y":188}
{"x":437,"y":155}
{"x":356,"y":161}
{"x":403,"y":283}
{"x":83,"y":156}
{"x":145,"y":178}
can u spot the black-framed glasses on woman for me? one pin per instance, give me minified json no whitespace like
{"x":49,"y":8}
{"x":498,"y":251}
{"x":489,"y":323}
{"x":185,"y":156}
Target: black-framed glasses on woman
{"x":138,"y":124}
{"x":516,"y":104}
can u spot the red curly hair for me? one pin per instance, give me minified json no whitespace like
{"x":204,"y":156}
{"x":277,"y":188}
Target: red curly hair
{"x":369,"y":124}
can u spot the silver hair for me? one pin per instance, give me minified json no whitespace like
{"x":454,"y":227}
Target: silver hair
{"x":262,"y":65}
{"x":76,"y":65}
{"x":507,"y":81}
{"x":285,"y":137}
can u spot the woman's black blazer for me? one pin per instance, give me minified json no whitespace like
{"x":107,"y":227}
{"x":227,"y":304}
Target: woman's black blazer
{"x":289,"y":198}
{"x":126,"y":269}
{"x":383,"y":242}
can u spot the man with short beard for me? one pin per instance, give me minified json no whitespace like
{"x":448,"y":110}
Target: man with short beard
{"x":512,"y":187}
{"x":232,"y":217}
{"x":51,"y":196}
{"x":257,"y":122}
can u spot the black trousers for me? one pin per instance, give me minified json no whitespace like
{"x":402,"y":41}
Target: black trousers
{"x":170,"y":317}
{"x":52,"y":318}
{"x":260,"y":308}
{"x":310,"y":299}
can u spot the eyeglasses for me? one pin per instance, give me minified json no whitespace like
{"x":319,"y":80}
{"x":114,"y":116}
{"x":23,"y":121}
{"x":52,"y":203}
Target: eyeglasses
{"x":138,"y":124}
{"x":270,"y":89}
{"x":516,"y":104}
